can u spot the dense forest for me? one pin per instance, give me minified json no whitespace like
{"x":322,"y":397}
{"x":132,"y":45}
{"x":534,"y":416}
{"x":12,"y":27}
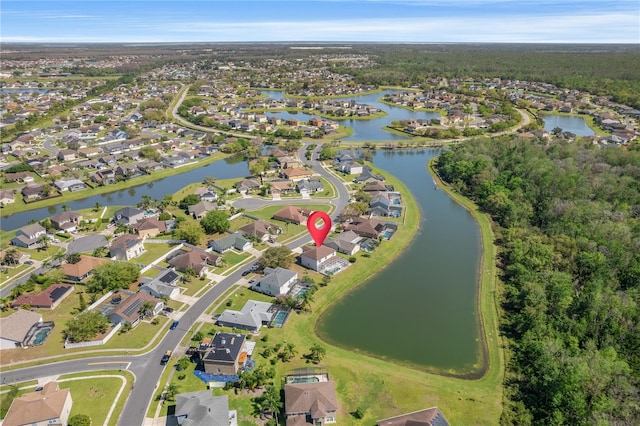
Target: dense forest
{"x":567,"y":218}
{"x":607,"y":70}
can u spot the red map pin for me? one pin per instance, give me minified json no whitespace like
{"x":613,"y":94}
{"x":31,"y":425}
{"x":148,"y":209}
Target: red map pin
{"x":319,"y":233}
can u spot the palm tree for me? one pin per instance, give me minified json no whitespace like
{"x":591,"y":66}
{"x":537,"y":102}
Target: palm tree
{"x":269,"y":402}
{"x":65,"y":208}
{"x":11,"y":256}
{"x":44,"y":241}
{"x":97,"y":206}
{"x":288,"y":352}
{"x":305,"y":300}
{"x":145,"y":308}
{"x":316,"y":353}
{"x":171,"y":392}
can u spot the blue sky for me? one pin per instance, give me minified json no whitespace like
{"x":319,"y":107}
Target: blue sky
{"x":405,"y":21}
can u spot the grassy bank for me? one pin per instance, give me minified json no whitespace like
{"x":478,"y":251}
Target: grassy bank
{"x":19,"y":206}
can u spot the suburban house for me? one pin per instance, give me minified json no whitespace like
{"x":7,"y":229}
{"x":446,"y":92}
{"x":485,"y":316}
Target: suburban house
{"x":346,"y":243}
{"x":225,"y":354}
{"x":129,"y":309}
{"x":70,"y":185}
{"x":46,"y":299}
{"x":228,"y":242}
{"x":292,"y":214}
{"x":276,"y":282}
{"x":200,"y":209}
{"x":66,"y":221}
{"x":196,"y":260}
{"x":7,"y":196}
{"x":14,"y":329}
{"x":15,"y":257}
{"x":82,"y":269}
{"x":370,"y":228}
{"x":375,"y":186}
{"x":128,"y":216}
{"x":252,"y":316}
{"x":207,"y":194}
{"x":31,"y":191}
{"x":260,"y":229}
{"x":296,"y":173}
{"x":310,"y":403}
{"x":66,"y":155}
{"x":352,"y":168}
{"x":310,"y":186}
{"x":367,"y":176}
{"x":429,"y":417}
{"x":313,"y":257}
{"x":28,"y":236}
{"x":126,"y":247}
{"x":49,"y":406}
{"x":165,"y":284}
{"x":149,"y":227}
{"x":201,"y":408}
{"x":247,"y":185}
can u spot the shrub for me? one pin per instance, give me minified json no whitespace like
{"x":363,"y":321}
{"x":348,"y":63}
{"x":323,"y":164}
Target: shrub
{"x":352,"y":259}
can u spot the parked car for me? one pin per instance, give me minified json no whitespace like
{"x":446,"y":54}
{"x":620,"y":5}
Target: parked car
{"x":165,"y":357}
{"x":29,"y":262}
{"x":174,"y":325}
{"x":245,"y":273}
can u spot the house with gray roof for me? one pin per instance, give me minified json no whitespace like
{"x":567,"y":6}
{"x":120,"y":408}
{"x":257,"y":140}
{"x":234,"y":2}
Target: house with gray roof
{"x":29,"y":236}
{"x":15,"y":327}
{"x":70,"y":185}
{"x":200,"y":209}
{"x":228,"y":242}
{"x":260,"y":229}
{"x":276,"y":282}
{"x":310,"y":186}
{"x":429,"y":417}
{"x":165,"y":284}
{"x":128,"y":216}
{"x":252,"y":316}
{"x":223,"y":355}
{"x":347,"y":242}
{"x":201,"y":408}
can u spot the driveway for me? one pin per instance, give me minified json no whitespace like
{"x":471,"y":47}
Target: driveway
{"x":88,"y":243}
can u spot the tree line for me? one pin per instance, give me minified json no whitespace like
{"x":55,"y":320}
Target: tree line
{"x":567,"y":219}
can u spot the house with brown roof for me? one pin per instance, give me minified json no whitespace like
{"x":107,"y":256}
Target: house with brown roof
{"x":126,"y":247}
{"x":82,"y":269}
{"x":429,"y":417}
{"x":370,"y":228}
{"x":292,"y":214}
{"x":66,"y":221}
{"x":296,"y":173}
{"x":32,"y":191}
{"x":260,"y":229}
{"x":313,"y":257}
{"x":15,"y":328}
{"x":129,"y":310}
{"x":149,"y":227}
{"x":197,"y":260}
{"x":46,"y":299}
{"x":310,"y":403}
{"x":49,"y":406}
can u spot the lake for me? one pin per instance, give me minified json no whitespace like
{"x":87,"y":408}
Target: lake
{"x":567,"y":123}
{"x":231,"y":167}
{"x":421,"y":309}
{"x":369,"y":129}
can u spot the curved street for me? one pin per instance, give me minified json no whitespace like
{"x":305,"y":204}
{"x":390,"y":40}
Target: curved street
{"x":146,"y":367}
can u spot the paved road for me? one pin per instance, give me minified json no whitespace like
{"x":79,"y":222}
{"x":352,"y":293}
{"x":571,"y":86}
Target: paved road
{"x":146,"y":367}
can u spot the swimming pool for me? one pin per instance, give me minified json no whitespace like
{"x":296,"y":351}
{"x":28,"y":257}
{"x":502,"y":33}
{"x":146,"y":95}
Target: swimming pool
{"x":280,"y":319}
{"x":41,"y":336}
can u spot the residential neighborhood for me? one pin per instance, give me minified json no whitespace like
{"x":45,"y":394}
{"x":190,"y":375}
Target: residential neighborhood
{"x":159,"y":223}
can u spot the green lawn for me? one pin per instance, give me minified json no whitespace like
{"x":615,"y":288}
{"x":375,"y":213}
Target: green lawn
{"x":94,"y":396}
{"x":153,"y":252}
{"x":69,"y":196}
{"x":231,"y":258}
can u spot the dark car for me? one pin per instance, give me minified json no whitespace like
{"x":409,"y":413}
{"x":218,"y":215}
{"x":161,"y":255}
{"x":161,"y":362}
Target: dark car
{"x":245,"y":273}
{"x":174,"y":325}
